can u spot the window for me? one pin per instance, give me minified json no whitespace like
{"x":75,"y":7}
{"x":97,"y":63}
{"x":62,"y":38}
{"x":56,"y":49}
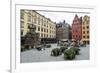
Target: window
{"x":83,"y":36}
{"x":38,"y":28}
{"x":42,"y":29}
{"x":84,"y":32}
{"x":21,"y":32}
{"x":87,"y":31}
{"x":87,"y":36}
{"x":87,"y":27}
{"x":83,"y":27}
{"x":29,"y":18}
{"x":42,"y":21}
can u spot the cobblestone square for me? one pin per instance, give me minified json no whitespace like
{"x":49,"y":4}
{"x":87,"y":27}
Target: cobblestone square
{"x":44,"y":56}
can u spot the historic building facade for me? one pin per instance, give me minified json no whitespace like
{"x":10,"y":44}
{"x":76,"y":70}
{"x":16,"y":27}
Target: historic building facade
{"x":85,"y":29}
{"x":44,"y":26}
{"x":62,"y":30}
{"x":77,"y":28}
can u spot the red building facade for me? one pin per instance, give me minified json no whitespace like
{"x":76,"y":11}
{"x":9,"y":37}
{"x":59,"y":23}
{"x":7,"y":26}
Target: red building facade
{"x":77,"y":28}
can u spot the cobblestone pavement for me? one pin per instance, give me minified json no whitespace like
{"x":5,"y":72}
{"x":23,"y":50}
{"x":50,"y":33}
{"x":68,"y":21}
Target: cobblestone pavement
{"x":44,"y":55}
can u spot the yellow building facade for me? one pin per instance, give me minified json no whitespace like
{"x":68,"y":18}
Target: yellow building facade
{"x":44,"y":26}
{"x":85,"y":29}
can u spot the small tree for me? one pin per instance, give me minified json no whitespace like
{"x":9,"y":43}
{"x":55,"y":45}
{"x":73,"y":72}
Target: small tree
{"x":31,"y":39}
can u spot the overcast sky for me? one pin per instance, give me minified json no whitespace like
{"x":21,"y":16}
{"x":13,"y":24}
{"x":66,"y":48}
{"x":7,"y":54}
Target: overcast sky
{"x":60,"y":16}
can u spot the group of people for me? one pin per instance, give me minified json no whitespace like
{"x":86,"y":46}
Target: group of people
{"x":71,"y":43}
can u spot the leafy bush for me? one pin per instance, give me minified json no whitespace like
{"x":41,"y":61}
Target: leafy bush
{"x":69,"y":54}
{"x":25,"y":47}
{"x":63,"y":49}
{"x":48,"y":46}
{"x":76,"y":50}
{"x":55,"y":52}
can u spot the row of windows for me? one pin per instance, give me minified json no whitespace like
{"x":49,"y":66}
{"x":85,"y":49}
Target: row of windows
{"x":42,"y":29}
{"x":42,"y":35}
{"x":46,"y":30}
{"x":86,"y":22}
{"x":47,"y":36}
{"x":86,"y":37}
{"x":86,"y":27}
{"x":85,"y":32}
{"x":76,"y":36}
{"x":37,"y":20}
{"x":45,"y":24}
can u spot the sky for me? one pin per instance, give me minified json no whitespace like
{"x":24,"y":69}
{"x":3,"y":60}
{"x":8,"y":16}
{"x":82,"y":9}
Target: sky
{"x":60,"y":16}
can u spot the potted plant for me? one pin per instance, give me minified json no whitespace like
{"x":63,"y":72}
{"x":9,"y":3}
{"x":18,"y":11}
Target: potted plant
{"x":55,"y":52}
{"x":69,"y":54}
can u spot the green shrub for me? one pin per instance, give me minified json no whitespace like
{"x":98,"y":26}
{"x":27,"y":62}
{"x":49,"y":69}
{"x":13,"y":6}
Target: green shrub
{"x":48,"y":46}
{"x":55,"y":52}
{"x":25,"y":47}
{"x":76,"y":50}
{"x":69,"y":54}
